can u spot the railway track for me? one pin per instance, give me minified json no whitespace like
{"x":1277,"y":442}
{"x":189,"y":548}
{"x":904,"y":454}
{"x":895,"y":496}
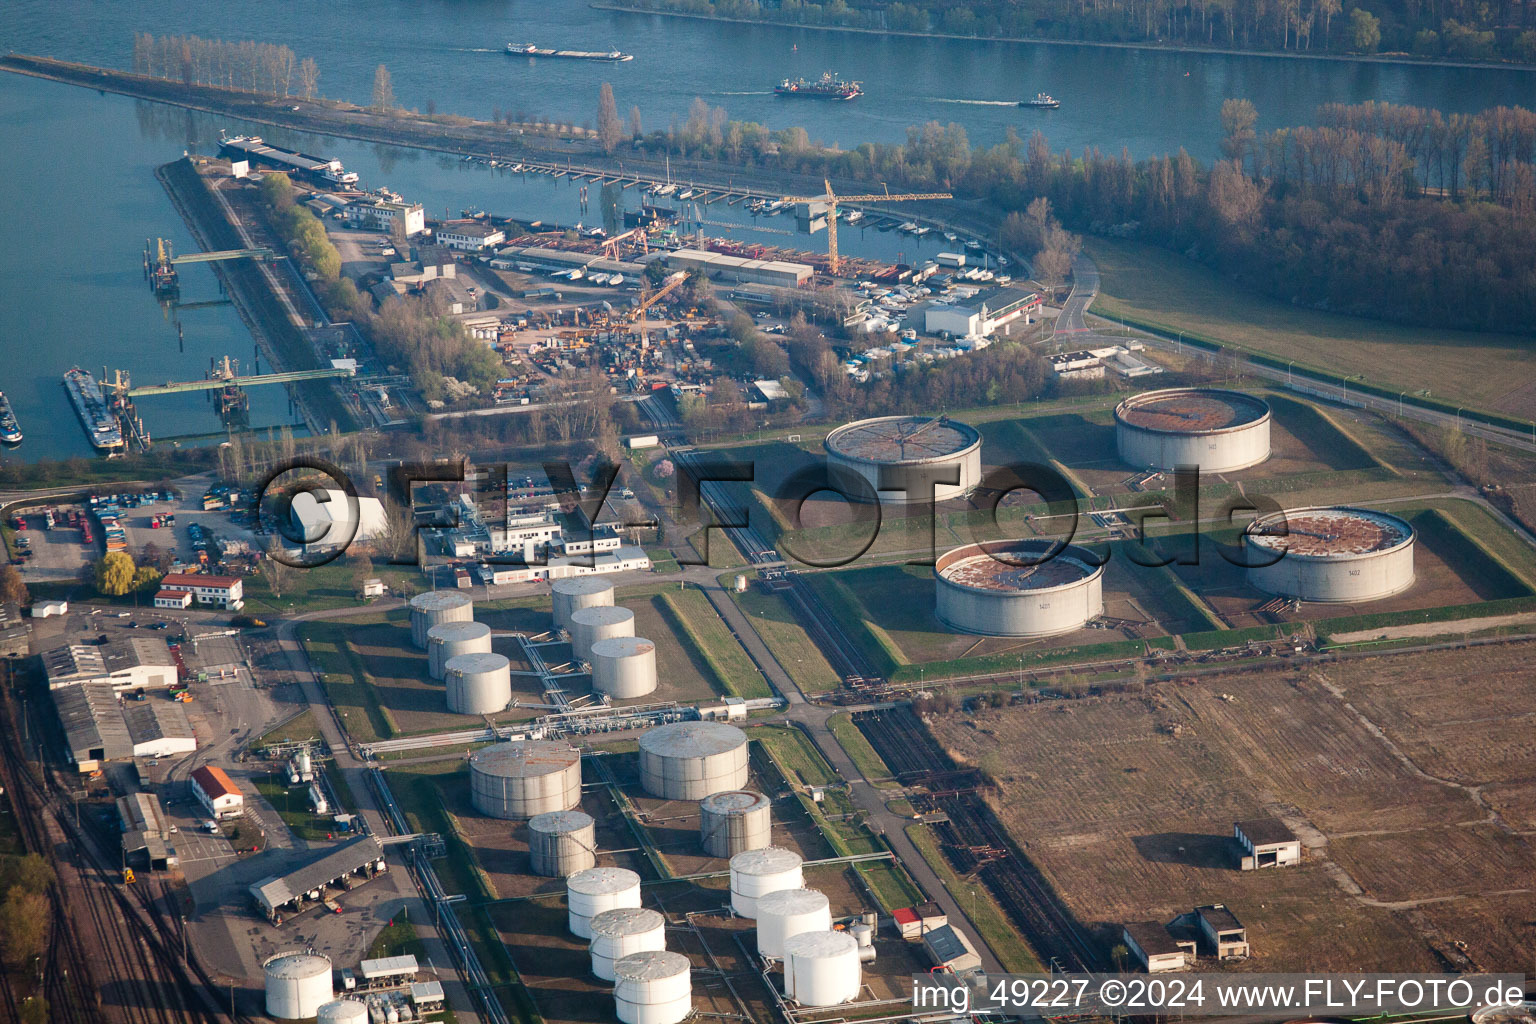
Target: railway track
{"x":977,"y":844}
{"x":111,"y":957}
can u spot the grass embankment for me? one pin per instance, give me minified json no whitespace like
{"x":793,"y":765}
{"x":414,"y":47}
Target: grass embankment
{"x":695,"y":620}
{"x":857,"y":747}
{"x":986,"y":915}
{"x":781,"y":631}
{"x":1165,"y":290}
{"x":801,"y":765}
{"x":345,"y":679}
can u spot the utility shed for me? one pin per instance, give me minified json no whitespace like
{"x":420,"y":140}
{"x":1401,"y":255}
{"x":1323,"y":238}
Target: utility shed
{"x":427,"y":996}
{"x":1157,"y":950}
{"x":1221,"y":931}
{"x":1266,"y":843}
{"x":950,"y":948}
{"x":389,"y":970}
{"x":275,"y":895}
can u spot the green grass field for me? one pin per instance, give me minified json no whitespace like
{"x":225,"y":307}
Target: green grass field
{"x":782,"y":633}
{"x":1151,"y":284}
{"x":696,"y":622}
{"x":852,"y":740}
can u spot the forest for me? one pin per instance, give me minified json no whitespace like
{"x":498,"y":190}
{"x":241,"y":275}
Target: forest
{"x":1441,"y":29}
{"x":1394,"y":212}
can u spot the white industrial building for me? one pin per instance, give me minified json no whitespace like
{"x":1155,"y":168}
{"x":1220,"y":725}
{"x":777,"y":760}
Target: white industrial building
{"x":1266,"y":843}
{"x":217,"y":792}
{"x":470,"y":235}
{"x":720,"y":267}
{"x":125,"y":664}
{"x":219,"y":591}
{"x":331,"y":520}
{"x":982,"y":316}
{"x":381,"y":214}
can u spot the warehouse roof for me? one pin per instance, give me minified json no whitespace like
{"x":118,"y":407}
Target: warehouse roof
{"x":387,"y":967}
{"x":152,"y":651}
{"x":93,"y":721}
{"x":945,"y":944}
{"x":152,"y":720}
{"x":141,"y":812}
{"x":277,"y":890}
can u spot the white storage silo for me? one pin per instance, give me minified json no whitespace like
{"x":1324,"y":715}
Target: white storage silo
{"x":786,"y":913}
{"x":451,"y":639}
{"x":618,"y":933}
{"x":561,"y":843}
{"x":297,"y":984}
{"x":692,"y":760}
{"x":652,"y":988}
{"x":623,"y":666}
{"x":822,"y":968}
{"x":436,"y":607}
{"x":575,"y":593}
{"x":590,"y":625}
{"x":478,"y":684}
{"x":590,"y":892}
{"x":734,"y":821}
{"x":756,"y":873}
{"x":343,"y":1011}
{"x":523,"y":778}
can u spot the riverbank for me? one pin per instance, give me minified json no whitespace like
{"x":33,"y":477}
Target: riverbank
{"x":1347,"y":58}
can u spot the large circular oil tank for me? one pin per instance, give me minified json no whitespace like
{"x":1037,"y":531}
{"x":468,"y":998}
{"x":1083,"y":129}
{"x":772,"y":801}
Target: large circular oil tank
{"x":691,"y":760}
{"x":1335,"y":554}
{"x":785,"y":913}
{"x":297,"y":984}
{"x":1018,"y":588}
{"x":756,"y":873}
{"x":436,"y":607}
{"x":822,"y":968}
{"x":524,"y":778}
{"x":478,"y":684}
{"x":903,"y":459}
{"x":561,"y":843}
{"x":1215,"y":430}
{"x":652,"y":988}
{"x":593,"y":624}
{"x":590,"y":892}
{"x":574,"y":593}
{"x":734,"y":821}
{"x":452,"y":639}
{"x":618,"y":933}
{"x":623,"y":667}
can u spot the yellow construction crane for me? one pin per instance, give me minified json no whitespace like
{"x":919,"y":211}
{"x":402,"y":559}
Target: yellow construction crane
{"x":831,"y":200}
{"x":637,"y":315}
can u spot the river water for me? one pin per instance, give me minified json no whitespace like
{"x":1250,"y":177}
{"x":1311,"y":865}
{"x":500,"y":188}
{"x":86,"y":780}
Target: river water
{"x":80,"y":198}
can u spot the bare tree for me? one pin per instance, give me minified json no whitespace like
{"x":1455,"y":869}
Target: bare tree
{"x":610,"y":130}
{"x":276,"y":572}
{"x":383,"y":90}
{"x":309,"y":78}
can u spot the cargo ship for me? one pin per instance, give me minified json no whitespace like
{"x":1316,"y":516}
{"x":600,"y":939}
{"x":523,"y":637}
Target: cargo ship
{"x":530,"y":50}
{"x":827,"y":87}
{"x":1042,"y":101}
{"x":91,"y":406}
{"x":10,"y":430}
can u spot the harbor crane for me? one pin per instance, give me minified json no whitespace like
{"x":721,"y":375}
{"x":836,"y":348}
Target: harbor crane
{"x":834,"y":263}
{"x":637,"y":315}
{"x":161,"y":261}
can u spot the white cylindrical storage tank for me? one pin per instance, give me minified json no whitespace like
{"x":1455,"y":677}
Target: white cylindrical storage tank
{"x":1025,"y":588}
{"x":757,"y":873}
{"x":734,"y":821}
{"x":691,"y":760}
{"x":590,"y":892}
{"x":575,"y":593}
{"x":1333,"y":554}
{"x":1216,"y":430}
{"x":298,"y":984}
{"x":524,"y":778}
{"x":561,"y":843}
{"x":436,"y":607}
{"x":623,"y":666}
{"x":786,"y":913}
{"x":452,"y":639}
{"x":618,"y":933}
{"x":478,"y":684}
{"x":343,"y":1011}
{"x":905,"y":459}
{"x":822,"y":968}
{"x":654,"y":987}
{"x":590,"y":625}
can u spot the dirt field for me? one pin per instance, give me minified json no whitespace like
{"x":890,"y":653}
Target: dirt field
{"x":1410,"y":780}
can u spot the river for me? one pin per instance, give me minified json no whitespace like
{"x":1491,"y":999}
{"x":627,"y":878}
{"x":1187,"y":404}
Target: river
{"x":80,"y":196}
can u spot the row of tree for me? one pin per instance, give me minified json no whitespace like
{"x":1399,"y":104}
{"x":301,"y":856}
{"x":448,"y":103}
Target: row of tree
{"x":1449,"y":28}
{"x":246,"y":65}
